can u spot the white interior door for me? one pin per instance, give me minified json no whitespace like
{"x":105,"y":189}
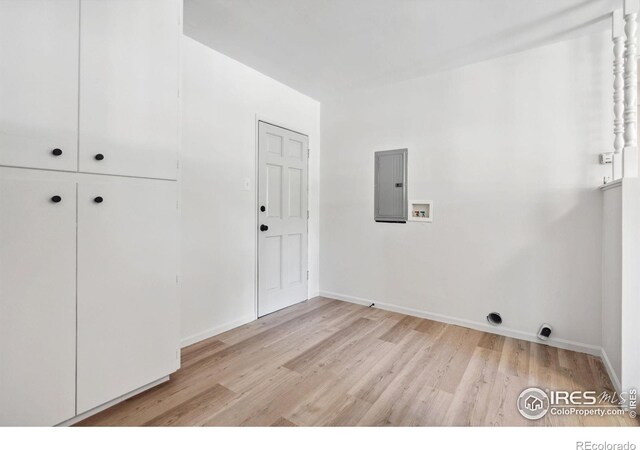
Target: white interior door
{"x":39,"y":83}
{"x":37,"y":301}
{"x":129,"y":68}
{"x":128,"y":313}
{"x":282,"y":218}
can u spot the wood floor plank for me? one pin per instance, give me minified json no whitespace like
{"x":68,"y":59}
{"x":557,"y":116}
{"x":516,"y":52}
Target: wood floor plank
{"x":341,"y":337}
{"x":262,"y":339}
{"x":469,"y":406}
{"x":258,"y":406}
{"x":345,"y":368}
{"x":600,"y":374}
{"x":347,"y":412}
{"x":282,"y":422}
{"x":502,"y":410}
{"x":299,"y":312}
{"x":325,"y":362}
{"x":196,"y":410}
{"x":455,"y":347}
{"x":200,"y":350}
{"x":242,"y":377}
{"x":372,"y":384}
{"x":544,"y":371}
{"x":492,"y":342}
{"x":428,"y":409}
{"x":515,"y":358}
{"x":401,"y":329}
{"x":430,"y":326}
{"x":399,"y":400}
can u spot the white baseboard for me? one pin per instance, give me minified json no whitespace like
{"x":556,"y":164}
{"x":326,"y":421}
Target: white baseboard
{"x":206,"y":334}
{"x":612,"y":373}
{"x":508,"y":332}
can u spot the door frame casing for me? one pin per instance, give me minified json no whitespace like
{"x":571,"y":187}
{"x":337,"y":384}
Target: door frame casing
{"x":256,"y":278}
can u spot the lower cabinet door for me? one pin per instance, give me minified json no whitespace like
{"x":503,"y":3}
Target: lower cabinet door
{"x":128,"y":314}
{"x":37,"y":301}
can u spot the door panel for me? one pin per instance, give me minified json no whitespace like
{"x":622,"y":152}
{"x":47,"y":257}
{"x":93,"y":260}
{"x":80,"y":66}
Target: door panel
{"x":293,"y":258}
{"x":272,"y":268}
{"x":37,"y":301}
{"x":39,"y":83}
{"x":282,"y":249}
{"x":128,"y":312}
{"x":129,"y":87}
{"x":295,"y":193}
{"x":274,"y":191}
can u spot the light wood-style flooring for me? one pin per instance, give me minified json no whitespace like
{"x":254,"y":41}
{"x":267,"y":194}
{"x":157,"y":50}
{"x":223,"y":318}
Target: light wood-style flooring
{"x":327,"y":362}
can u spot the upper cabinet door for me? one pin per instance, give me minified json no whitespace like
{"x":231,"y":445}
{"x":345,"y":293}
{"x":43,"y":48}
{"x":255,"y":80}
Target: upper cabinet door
{"x":129,"y":79}
{"x":37,"y":300}
{"x":39,"y":83}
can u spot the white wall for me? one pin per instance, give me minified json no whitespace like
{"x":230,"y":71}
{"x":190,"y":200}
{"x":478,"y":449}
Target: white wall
{"x":621,"y":283}
{"x":630,"y":308}
{"x":612,"y":281}
{"x":220,"y":100}
{"x":508,"y":151}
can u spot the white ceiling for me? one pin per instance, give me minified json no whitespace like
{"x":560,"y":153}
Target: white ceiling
{"x":322,"y":47}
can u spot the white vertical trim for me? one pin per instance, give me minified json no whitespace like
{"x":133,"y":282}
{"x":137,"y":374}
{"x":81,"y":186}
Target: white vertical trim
{"x":256,"y":202}
{"x":179,"y":183}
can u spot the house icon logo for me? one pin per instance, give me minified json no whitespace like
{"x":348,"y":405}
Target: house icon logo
{"x":533,"y":403}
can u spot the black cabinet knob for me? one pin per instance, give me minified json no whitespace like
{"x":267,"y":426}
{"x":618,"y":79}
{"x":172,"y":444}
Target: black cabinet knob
{"x":263,"y":228}
{"x":99,"y":157}
{"x":98,"y":199}
{"x":56,"y":199}
{"x":263,"y":209}
{"x":56,"y":152}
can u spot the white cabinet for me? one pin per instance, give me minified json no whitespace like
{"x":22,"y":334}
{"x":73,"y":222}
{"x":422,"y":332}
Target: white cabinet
{"x":128,"y":313}
{"x":88,"y":308}
{"x":37,"y":300}
{"x":39,"y":83}
{"x":90,"y":86}
{"x":129,"y":67}
{"x":88,"y":305}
